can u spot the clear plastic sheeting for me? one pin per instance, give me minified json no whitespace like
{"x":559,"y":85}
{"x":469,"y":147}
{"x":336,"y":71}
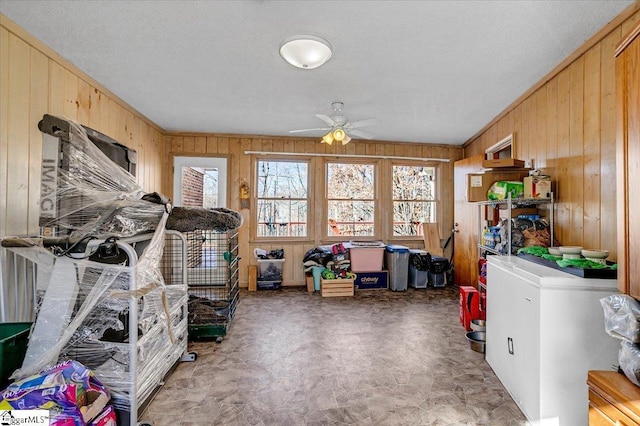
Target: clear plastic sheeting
{"x":629,"y":359}
{"x":120,"y":320}
{"x":83,"y":192}
{"x":622,"y":317}
{"x":95,"y":280}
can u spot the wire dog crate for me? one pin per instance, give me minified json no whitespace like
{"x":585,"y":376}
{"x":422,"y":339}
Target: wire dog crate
{"x":213,"y":282}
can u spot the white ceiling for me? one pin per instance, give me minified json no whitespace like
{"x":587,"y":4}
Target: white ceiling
{"x":430,"y":71}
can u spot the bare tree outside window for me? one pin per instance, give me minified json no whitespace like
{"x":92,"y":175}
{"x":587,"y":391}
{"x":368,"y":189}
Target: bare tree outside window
{"x":210,"y":189}
{"x":414,"y":199}
{"x":350,"y":199}
{"x":282,"y":198}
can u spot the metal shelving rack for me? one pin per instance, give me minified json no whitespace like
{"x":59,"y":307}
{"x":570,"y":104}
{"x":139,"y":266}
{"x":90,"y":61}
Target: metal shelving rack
{"x":511,"y":204}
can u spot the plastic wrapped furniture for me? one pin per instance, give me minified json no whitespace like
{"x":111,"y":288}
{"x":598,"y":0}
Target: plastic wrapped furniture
{"x":87,"y":310}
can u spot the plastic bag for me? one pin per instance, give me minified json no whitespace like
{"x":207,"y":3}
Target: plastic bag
{"x":622,"y":317}
{"x":629,"y":359}
{"x":69,"y":390}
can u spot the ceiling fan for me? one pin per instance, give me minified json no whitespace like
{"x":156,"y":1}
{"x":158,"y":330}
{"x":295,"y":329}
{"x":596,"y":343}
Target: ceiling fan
{"x":340,"y":128}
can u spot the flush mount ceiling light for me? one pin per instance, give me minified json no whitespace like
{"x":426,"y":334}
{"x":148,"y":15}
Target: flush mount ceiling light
{"x":305,"y":51}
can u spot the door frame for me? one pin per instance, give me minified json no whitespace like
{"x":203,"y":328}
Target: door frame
{"x":219,"y":162}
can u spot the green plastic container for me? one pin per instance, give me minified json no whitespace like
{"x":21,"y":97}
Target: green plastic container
{"x":207,"y":331}
{"x":14,"y":338}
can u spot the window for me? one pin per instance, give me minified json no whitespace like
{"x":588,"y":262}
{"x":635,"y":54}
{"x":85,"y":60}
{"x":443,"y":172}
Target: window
{"x":282,"y":198}
{"x":350,"y":199}
{"x":414,"y":201}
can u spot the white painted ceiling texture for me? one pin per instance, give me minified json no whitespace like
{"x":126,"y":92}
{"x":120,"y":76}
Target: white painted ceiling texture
{"x":429,"y":71}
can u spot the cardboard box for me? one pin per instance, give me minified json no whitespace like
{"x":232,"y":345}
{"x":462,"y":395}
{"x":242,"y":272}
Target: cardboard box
{"x":519,"y":211}
{"x":478,"y":184}
{"x":336,"y":288}
{"x":502,"y":162}
{"x":371,"y":280}
{"x":537,"y":187}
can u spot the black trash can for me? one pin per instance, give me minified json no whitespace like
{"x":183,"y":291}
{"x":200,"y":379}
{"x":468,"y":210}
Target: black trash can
{"x":438,"y":267}
{"x":418,"y":268}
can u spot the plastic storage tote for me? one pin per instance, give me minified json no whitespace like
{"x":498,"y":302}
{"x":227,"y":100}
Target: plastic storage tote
{"x":365,"y":256}
{"x":397,"y":261}
{"x":418,"y":268}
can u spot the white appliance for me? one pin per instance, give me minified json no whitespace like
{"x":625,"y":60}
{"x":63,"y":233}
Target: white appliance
{"x":545,"y":331}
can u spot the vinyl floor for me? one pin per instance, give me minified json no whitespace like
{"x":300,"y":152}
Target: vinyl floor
{"x":379,"y":358}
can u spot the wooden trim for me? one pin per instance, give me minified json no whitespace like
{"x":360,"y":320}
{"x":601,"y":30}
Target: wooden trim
{"x":19,"y":32}
{"x":627,"y":40}
{"x":592,"y":41}
{"x":298,"y":138}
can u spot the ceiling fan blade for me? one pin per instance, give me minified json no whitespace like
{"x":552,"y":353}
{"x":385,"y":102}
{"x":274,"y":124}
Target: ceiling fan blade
{"x":361,"y":134}
{"x":326,"y":119}
{"x":309,"y":130}
{"x":364,"y":123}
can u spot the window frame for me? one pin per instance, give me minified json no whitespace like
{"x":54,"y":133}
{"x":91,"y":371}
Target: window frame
{"x":437,"y":199}
{"x":255,"y":198}
{"x":377,"y":213}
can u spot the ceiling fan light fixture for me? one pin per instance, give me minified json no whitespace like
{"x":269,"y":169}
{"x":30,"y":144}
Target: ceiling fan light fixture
{"x":328,"y":138}
{"x":339,"y":134}
{"x":346,"y":140}
{"x":305,"y":51}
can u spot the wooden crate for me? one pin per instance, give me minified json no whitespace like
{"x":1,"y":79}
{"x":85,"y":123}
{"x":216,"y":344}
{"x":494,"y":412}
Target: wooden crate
{"x":336,"y":288}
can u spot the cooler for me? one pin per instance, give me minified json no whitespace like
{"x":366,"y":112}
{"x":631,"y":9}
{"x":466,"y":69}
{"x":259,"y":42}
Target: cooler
{"x":418,"y":268}
{"x":469,"y":306}
{"x":397,"y":260}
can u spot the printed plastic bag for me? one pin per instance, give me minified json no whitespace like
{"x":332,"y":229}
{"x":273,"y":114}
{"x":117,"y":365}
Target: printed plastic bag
{"x":69,"y":390}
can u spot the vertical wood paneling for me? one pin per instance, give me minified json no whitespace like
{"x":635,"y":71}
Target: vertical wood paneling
{"x":541,"y":133}
{"x":608,"y":194}
{"x":70,"y":84}
{"x":39,"y":88}
{"x":591,"y":144}
{"x":4,"y":125}
{"x":35,"y":81}
{"x":578,"y":119}
{"x":551,"y":163}
{"x":576,"y":151}
{"x":563,"y":211}
{"x":18,"y":138}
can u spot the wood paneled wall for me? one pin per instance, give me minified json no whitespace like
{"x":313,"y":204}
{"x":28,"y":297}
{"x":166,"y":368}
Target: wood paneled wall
{"x":567,"y":127}
{"x":34,"y":80}
{"x":240,"y":164}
